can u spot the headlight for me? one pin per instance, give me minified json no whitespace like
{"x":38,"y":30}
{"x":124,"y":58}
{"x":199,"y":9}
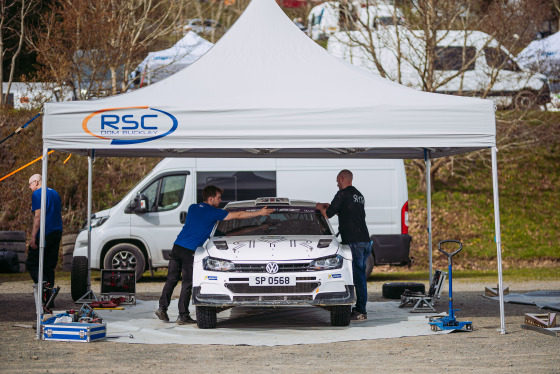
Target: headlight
{"x":96,"y":221}
{"x":214,"y":264}
{"x":327,"y":263}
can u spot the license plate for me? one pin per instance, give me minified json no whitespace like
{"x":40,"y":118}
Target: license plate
{"x":272,"y":280}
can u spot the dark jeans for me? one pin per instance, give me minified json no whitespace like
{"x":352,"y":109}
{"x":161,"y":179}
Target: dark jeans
{"x":360,"y":253}
{"x":180,"y":262}
{"x":50,"y":258}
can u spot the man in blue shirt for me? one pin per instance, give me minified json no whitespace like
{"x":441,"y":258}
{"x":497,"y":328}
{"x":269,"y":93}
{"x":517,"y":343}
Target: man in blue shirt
{"x":201,"y":219}
{"x":53,"y":232}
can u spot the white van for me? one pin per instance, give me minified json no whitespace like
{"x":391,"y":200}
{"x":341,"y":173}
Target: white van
{"x":493,"y":66}
{"x":324,"y":19}
{"x":138,"y":233}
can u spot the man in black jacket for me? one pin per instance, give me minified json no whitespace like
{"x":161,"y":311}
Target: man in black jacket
{"x":349,"y":204}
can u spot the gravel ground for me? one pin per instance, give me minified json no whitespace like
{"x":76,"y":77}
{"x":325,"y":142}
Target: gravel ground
{"x":483,"y":350}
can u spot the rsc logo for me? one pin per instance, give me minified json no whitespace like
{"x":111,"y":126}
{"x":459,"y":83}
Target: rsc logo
{"x":130,"y":125}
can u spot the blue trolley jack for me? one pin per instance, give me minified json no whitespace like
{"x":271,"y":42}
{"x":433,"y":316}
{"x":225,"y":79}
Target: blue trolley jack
{"x":450,"y":322}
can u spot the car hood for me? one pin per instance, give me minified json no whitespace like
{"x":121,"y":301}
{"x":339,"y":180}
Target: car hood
{"x":270,"y":248}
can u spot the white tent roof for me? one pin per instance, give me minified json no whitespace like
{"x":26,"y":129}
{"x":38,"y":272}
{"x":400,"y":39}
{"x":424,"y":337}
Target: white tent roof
{"x":161,"y":64}
{"x":266,"y":89}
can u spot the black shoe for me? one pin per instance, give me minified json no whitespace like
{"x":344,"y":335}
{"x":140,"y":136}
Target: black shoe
{"x":183,"y":319}
{"x":162,"y":314}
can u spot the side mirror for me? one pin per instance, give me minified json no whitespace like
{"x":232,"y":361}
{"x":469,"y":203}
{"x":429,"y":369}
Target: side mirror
{"x":139,"y":205}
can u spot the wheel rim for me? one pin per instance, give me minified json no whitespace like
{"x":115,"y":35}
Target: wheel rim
{"x":524,"y":101}
{"x":124,"y":260}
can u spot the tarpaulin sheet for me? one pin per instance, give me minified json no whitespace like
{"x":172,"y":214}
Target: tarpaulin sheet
{"x":262,"y":326}
{"x":542,"y":299}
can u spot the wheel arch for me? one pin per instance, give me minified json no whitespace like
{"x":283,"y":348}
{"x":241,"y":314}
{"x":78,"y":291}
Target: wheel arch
{"x":138,"y":243}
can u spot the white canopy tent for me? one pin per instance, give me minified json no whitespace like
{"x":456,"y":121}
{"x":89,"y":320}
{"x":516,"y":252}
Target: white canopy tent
{"x":161,"y":64}
{"x":267,"y":90}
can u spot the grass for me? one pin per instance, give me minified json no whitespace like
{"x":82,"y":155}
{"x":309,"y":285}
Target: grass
{"x":512,"y":275}
{"x":463,"y":209}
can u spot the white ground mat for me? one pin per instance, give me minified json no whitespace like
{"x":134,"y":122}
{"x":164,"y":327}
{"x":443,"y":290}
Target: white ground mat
{"x":261,"y":326}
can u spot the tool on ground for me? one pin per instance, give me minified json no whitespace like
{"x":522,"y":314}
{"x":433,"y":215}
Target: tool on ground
{"x":87,"y":314}
{"x":113,"y":303}
{"x":494,"y":292}
{"x":49,"y":294}
{"x":422,"y":302}
{"x":449,"y":322}
{"x":541,"y":320}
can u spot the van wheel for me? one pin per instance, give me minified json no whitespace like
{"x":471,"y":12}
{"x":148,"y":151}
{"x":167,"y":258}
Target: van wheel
{"x":78,"y":277}
{"x":525,"y":100}
{"x":369,"y":265}
{"x":340,"y":315}
{"x":206,"y":317}
{"x":125,"y":256}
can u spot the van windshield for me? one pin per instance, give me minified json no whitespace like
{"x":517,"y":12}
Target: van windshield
{"x":283,"y":221}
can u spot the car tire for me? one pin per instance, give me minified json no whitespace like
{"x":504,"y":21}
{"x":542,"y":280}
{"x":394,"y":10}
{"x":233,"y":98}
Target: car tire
{"x":394,"y":290}
{"x":340,"y":315}
{"x":69,"y":239}
{"x":79,"y":277}
{"x":525,"y":100}
{"x":206,"y":317}
{"x":12,"y":236}
{"x":125,"y":256}
{"x":369,"y":265}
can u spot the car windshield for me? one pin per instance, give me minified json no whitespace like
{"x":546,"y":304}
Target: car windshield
{"x":283,"y":221}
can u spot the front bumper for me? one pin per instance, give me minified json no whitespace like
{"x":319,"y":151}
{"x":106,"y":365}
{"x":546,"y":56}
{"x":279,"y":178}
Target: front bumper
{"x":320,"y":299}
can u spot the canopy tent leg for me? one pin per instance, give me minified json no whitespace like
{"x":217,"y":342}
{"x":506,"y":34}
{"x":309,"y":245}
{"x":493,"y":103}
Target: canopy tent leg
{"x":39,"y":298}
{"x":429,"y":209}
{"x":89,"y":295}
{"x":498,"y":238}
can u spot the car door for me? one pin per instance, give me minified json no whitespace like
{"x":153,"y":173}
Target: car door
{"x":167,"y":204}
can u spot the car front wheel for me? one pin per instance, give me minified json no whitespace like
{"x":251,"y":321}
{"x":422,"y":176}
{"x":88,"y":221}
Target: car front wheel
{"x":206,"y":317}
{"x":340,"y":315}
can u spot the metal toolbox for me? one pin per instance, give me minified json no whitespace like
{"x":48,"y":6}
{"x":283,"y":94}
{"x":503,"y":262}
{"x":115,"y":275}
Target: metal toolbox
{"x":117,"y":283}
{"x":74,"y":332}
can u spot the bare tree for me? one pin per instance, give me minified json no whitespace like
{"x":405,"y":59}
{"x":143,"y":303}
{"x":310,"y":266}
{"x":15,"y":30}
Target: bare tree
{"x":411,"y":47}
{"x":226,"y":12}
{"x":95,"y":45}
{"x":14,"y":16}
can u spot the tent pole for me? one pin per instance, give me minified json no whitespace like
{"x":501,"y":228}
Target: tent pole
{"x":39,"y":296}
{"x":498,"y":238}
{"x":429,"y":208}
{"x":89,"y":203}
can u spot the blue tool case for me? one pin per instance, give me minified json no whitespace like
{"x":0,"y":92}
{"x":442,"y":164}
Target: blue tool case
{"x":74,"y":332}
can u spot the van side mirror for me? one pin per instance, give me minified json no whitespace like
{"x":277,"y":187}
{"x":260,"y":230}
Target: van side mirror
{"x":139,"y":205}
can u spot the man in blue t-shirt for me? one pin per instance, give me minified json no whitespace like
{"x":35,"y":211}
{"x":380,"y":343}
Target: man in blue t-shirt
{"x":201,"y":219}
{"x":53,"y":232}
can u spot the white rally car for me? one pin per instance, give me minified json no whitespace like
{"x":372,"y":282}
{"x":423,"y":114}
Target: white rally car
{"x":288,"y":258}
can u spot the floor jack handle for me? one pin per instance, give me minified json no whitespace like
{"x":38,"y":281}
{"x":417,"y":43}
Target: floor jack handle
{"x":450,"y":266}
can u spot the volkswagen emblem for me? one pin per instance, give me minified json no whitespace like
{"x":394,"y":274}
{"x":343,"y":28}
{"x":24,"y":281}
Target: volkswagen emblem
{"x":272,"y":268}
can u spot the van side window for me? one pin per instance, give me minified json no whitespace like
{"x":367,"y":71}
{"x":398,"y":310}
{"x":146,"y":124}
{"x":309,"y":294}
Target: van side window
{"x":451,"y":58}
{"x":496,"y":58}
{"x":165,"y":193}
{"x":238,"y":185}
